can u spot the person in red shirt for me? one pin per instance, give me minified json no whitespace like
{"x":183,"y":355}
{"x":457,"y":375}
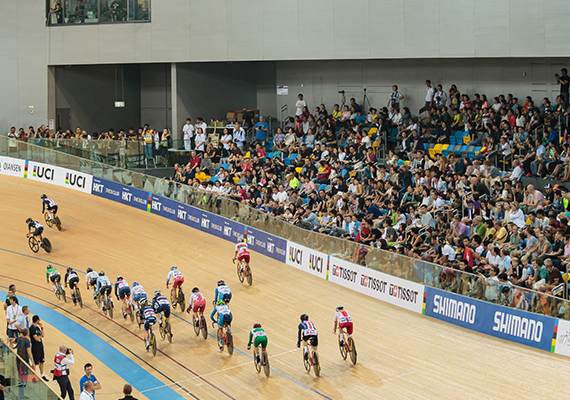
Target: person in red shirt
{"x":194,"y":160}
{"x":323,"y":176}
{"x":467,"y":252}
{"x":260,"y":152}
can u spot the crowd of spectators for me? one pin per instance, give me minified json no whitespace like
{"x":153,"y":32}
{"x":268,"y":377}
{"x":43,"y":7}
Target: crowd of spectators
{"x":463,"y":210}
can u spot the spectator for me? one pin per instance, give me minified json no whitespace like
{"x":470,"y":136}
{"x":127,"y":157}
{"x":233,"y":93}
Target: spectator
{"x":299,"y":105}
{"x":89,"y":377}
{"x":24,"y":350}
{"x":261,"y":129}
{"x":127,"y":391}
{"x":239,"y":136}
{"x":430,"y":92}
{"x":62,"y":360}
{"x":188,"y":132}
{"x":23,"y":320}
{"x":86,"y":393}
{"x":395,"y":98}
{"x":36,"y":337}
{"x":12,"y":314}
{"x":564,"y":81}
{"x":11,"y":292}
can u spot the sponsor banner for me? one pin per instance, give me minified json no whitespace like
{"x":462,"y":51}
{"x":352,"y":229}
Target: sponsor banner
{"x":12,"y":166}
{"x":388,"y":288}
{"x":136,"y":198}
{"x":562,"y":344}
{"x":163,"y":206}
{"x":306,"y":259}
{"x":276,"y":248}
{"x":211,"y":223}
{"x":256,"y":240}
{"x":232,"y":231}
{"x":188,"y":215}
{"x":503,"y":322}
{"x":58,"y":176}
{"x":107,"y":189}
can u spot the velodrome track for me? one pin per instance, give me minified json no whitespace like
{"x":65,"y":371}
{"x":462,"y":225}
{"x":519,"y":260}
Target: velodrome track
{"x":400,"y":353}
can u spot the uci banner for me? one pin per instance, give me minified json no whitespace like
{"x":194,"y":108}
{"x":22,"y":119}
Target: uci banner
{"x":58,"y":176}
{"x":306,"y":259}
{"x":503,"y":322}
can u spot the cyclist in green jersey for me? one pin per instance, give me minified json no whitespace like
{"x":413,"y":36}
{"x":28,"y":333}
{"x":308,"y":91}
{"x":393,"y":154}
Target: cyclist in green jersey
{"x":258,"y":337}
{"x":53,"y":275}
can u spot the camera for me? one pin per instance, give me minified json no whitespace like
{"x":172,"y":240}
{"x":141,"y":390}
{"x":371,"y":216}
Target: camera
{"x":342,"y":91}
{"x":68,"y":351}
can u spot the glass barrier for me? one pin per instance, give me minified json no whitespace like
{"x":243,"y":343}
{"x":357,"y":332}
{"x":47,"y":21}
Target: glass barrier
{"x":21,"y":381}
{"x":73,"y":12}
{"x":392,"y":263}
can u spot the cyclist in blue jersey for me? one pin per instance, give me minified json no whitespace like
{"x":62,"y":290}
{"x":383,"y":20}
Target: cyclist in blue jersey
{"x":161,"y":305}
{"x":224,"y":318}
{"x":104,"y":287}
{"x":49,"y":204}
{"x":308,"y":333}
{"x":147,"y":315}
{"x":223,"y":292}
{"x":123,"y":293}
{"x":137,"y":293}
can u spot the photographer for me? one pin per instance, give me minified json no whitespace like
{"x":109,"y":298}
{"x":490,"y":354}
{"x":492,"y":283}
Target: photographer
{"x":62,"y":360}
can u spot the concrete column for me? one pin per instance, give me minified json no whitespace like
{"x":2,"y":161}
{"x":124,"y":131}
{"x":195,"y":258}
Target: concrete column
{"x":174,"y":103}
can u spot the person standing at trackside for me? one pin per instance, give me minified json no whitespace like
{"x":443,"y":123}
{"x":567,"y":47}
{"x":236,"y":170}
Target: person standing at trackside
{"x":86,"y":392}
{"x":49,"y":204}
{"x":24,"y":350}
{"x":23,"y":321}
{"x":342,"y":318}
{"x":127,"y":391}
{"x":299,"y":105}
{"x":308,"y":334}
{"x":62,"y":360}
{"x":430,"y":91}
{"x":188,"y":131}
{"x":36,"y":337}
{"x":11,"y":292}
{"x":564,"y":81}
{"x":12,"y":314}
{"x":89,"y":377}
{"x":395,"y":98}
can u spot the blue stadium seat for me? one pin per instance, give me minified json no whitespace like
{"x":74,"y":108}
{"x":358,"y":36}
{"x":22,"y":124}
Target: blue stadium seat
{"x":426,"y":146}
{"x":269,"y":145}
{"x":225,"y":166}
{"x":322,"y":187}
{"x":452,"y":140}
{"x":450,"y":149}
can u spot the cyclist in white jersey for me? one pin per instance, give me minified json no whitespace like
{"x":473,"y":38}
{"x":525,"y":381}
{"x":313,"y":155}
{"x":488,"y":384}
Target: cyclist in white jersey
{"x":104,"y":287}
{"x":91,"y":280}
{"x":50,"y":204}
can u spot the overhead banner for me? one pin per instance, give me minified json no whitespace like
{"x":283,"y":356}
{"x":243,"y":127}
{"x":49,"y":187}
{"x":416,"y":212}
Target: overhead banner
{"x":58,"y":176}
{"x":503,"y":322}
{"x":164,"y":207}
{"x":306,"y":259}
{"x":136,"y":198}
{"x":276,"y":248}
{"x":388,"y":288}
{"x":107,"y":189}
{"x":12,"y":166}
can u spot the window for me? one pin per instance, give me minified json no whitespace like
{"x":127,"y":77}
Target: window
{"x":72,"y":12}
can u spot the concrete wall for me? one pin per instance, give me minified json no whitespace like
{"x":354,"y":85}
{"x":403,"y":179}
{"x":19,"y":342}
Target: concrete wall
{"x":228,"y":30}
{"x":155,"y":96}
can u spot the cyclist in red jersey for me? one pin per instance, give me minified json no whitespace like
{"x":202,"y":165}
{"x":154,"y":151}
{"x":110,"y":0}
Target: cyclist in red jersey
{"x":343,"y":320}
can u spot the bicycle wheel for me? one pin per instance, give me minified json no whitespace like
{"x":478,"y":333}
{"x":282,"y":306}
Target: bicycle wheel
{"x":58,"y":223}
{"x":162,"y":331}
{"x":317,"y":365}
{"x":173,"y":301}
{"x":197,"y":326}
{"x":204,"y":328}
{"x":110,"y":305}
{"x":132,"y":312}
{"x":240,"y":273}
{"x":47,"y":245}
{"x":97,"y":301}
{"x":265,"y":361}
{"x":57,"y":294}
{"x":352,"y":347}
{"x":63,"y":293}
{"x":342,"y":347}
{"x":33,"y":243}
{"x":153,"y":343}
{"x":256,"y":363}
{"x":139,"y":322}
{"x":181,"y":300}
{"x":306,"y":362}
{"x":218,"y":340}
{"x":168,"y":332}
{"x":49,"y":221}
{"x":78,"y":297}
{"x":249,"y":275}
{"x":230,"y":343}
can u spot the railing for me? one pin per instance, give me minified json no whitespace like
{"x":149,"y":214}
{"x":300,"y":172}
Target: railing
{"x":22,"y":381}
{"x":392,"y":263}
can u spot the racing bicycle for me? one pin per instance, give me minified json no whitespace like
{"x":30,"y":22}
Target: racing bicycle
{"x":200,"y":325}
{"x":107,"y":305}
{"x":60,"y":293}
{"x":312,"y":360}
{"x":178,"y":299}
{"x":76,"y":296}
{"x":52,"y":220}
{"x":346,"y":346}
{"x":152,"y":341}
{"x":35,"y":245}
{"x":164,"y":329}
{"x":244,"y":273}
{"x":227,"y":339}
{"x":261,"y":360}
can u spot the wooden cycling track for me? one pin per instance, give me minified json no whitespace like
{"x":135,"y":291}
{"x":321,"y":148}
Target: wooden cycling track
{"x":400,"y":353}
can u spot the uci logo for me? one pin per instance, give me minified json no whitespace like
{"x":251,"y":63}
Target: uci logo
{"x":43,"y":172}
{"x":296,"y":256}
{"x":316,"y":263}
{"x":75,"y":180}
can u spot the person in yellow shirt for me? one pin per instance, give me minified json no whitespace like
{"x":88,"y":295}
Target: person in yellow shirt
{"x":200,"y":175}
{"x":502,"y":235}
{"x":337,"y":114}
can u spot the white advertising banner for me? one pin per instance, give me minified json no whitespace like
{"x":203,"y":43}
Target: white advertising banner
{"x":562,"y":345}
{"x":12,"y":166}
{"x":388,"y":288}
{"x":58,"y":176}
{"x":306,"y":259}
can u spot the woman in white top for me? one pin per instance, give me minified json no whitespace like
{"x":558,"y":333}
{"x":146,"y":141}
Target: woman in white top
{"x":226,"y":140}
{"x":200,"y":140}
{"x":517,"y":215}
{"x":520,"y":120}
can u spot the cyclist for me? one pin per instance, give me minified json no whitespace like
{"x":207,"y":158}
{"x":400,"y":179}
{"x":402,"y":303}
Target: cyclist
{"x":138,"y":293}
{"x":259,"y":337}
{"x":73,"y":279}
{"x":242,"y":253}
{"x":147,"y":315}
{"x":177,"y":281}
{"x":343,"y":319}
{"x":91,"y":280}
{"x":308,"y":333}
{"x":224,"y":318}
{"x":123,"y":293}
{"x":197,"y":303}
{"x":53,"y":275}
{"x":161,"y":305}
{"x":50,"y":204}
{"x":104,"y":287}
{"x":36,"y":229}
{"x":223,"y":292}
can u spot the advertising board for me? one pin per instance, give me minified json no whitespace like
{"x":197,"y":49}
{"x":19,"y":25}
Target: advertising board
{"x":163,"y":206}
{"x":136,"y":198}
{"x":58,"y":176}
{"x":12,"y":166}
{"x":306,"y":259}
{"x":256,"y":240}
{"x":276,"y":248}
{"x":107,"y":189}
